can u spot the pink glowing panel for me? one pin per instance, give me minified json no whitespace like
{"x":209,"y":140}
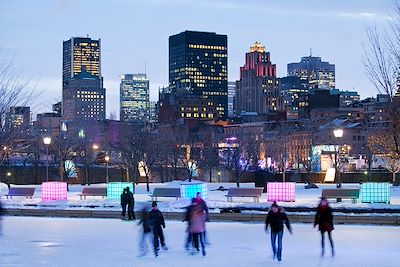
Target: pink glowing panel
{"x":54,"y":190}
{"x":281,"y":192}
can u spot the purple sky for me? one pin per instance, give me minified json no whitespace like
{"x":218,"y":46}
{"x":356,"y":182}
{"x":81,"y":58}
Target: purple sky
{"x":135,"y":32}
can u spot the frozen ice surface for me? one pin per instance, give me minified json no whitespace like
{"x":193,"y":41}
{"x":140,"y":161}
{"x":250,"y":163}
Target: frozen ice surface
{"x":31,"y":241}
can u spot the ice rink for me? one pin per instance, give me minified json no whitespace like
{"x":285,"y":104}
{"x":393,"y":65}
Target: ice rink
{"x":28,"y":241}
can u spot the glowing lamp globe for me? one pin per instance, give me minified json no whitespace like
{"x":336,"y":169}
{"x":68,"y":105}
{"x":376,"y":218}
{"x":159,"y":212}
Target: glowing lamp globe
{"x":115,"y":189}
{"x":189,"y":190}
{"x":375,"y":192}
{"x":285,"y":192}
{"x":54,"y":191}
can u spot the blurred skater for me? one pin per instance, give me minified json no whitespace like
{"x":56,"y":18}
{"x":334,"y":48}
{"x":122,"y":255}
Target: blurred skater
{"x":188,"y":241}
{"x":201,"y":201}
{"x":147,"y":233}
{"x":157,"y":222}
{"x":324,"y":220}
{"x":131,"y":204}
{"x":197,"y":220}
{"x":275,"y":218}
{"x":124,"y":202}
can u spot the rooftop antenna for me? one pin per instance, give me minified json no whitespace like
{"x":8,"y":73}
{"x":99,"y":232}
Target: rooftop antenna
{"x":310,"y":52}
{"x":87,"y":35}
{"x":145,"y":71}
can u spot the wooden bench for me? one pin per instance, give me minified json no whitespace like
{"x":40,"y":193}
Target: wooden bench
{"x":352,"y":194}
{"x":21,"y":192}
{"x":93,"y":191}
{"x":165,"y":192}
{"x":255,"y":193}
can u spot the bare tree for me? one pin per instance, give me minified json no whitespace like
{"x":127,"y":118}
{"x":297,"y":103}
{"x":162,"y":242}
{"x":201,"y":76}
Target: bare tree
{"x":382,"y":63}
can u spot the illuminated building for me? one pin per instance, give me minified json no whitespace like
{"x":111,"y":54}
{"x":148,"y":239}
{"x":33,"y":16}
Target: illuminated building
{"x":313,"y":72}
{"x":83,"y":95}
{"x":18,"y":119}
{"x":134,"y":98}
{"x":231,"y":99}
{"x":291,"y":88}
{"x":198,"y":72}
{"x":153,"y":111}
{"x":258,"y":88}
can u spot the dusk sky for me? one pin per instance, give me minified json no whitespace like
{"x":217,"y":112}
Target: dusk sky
{"x":135,"y":32}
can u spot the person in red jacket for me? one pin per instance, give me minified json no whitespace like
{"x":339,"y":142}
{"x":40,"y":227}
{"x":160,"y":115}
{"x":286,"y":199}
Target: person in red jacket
{"x":324,"y":220}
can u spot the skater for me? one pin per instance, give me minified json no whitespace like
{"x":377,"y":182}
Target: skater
{"x":324,"y":220}
{"x":189,"y":239}
{"x":144,"y":220}
{"x":201,"y":201}
{"x":275,"y":218}
{"x":197,"y":219}
{"x":124,"y":202}
{"x":156,"y":221}
{"x":131,"y":204}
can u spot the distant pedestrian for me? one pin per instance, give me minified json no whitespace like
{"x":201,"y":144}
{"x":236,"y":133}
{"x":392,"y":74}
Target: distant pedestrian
{"x":156,"y":220}
{"x":276,"y":217}
{"x":147,"y":233}
{"x":124,"y":202}
{"x":324,"y":220}
{"x":131,"y":204}
{"x":197,"y":219}
{"x":189,"y":240}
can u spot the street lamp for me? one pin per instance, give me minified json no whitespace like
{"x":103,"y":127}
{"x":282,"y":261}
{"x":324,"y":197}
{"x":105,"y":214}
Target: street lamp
{"x":107,"y":159}
{"x":95,"y":146}
{"x":219,"y":176}
{"x":338,"y":133}
{"x":47,"y":142}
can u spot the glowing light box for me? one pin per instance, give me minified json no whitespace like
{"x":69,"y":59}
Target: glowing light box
{"x":54,"y":191}
{"x":281,"y":192}
{"x":189,"y":190}
{"x":375,"y":192}
{"x":114,"y":189}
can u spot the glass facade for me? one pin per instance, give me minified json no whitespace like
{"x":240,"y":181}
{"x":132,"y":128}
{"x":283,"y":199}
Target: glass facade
{"x":134,"y":98}
{"x":198,"y":64}
{"x":313,"y":72}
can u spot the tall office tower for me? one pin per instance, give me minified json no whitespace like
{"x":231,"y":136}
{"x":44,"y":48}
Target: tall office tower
{"x":83,"y":93}
{"x":291,"y":89}
{"x":153,"y":118}
{"x":258,"y":88}
{"x":18,"y":119}
{"x":198,"y":72}
{"x":313,"y":72}
{"x":134,"y":98}
{"x":231,"y":99}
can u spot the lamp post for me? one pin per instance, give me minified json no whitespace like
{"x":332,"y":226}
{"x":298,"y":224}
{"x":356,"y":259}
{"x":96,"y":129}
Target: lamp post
{"x":107,"y":159}
{"x":47,"y":142}
{"x":92,"y":159}
{"x":338,"y":133}
{"x":219,"y":176}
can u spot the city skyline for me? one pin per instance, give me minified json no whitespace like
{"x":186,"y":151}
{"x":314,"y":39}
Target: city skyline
{"x":337,"y":37}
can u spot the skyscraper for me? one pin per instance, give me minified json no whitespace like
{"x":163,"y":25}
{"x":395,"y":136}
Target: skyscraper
{"x":231,"y":98}
{"x":198,"y":67}
{"x":18,"y":119}
{"x":258,"y":88}
{"x":313,"y":72}
{"x":134,"y":98}
{"x":83,"y":94}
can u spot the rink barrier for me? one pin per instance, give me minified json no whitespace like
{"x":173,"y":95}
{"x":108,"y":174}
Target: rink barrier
{"x":214,"y":217}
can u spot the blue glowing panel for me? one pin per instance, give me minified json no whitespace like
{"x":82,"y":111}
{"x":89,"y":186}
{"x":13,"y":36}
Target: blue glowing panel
{"x":281,"y":192}
{"x":114,"y":189}
{"x":189,"y":190}
{"x":375,"y":192}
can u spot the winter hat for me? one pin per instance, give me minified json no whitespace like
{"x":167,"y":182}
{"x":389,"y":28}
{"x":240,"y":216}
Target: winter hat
{"x":274,"y":205}
{"x":154,"y":204}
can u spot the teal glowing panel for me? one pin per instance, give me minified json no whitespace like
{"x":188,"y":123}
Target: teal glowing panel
{"x":189,"y":190}
{"x":375,"y":192}
{"x":114,"y":189}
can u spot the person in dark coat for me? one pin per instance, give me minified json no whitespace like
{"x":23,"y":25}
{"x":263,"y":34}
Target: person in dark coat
{"x":124,"y":202}
{"x":131,"y":204}
{"x":201,"y":201}
{"x":144,"y":220}
{"x":189,"y":238}
{"x":324,"y":220}
{"x":276,"y":217}
{"x":156,"y":221}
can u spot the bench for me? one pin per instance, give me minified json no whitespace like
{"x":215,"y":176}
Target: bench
{"x":93,"y":191}
{"x":352,"y":194}
{"x":165,"y":192}
{"x":255,"y":193}
{"x":21,"y":192}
